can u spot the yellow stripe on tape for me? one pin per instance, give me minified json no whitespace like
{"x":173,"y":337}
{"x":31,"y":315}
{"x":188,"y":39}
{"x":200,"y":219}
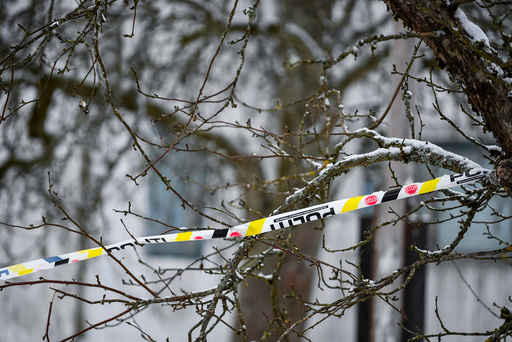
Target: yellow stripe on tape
{"x":351,"y":204}
{"x":255,"y":227}
{"x":20,"y":269}
{"x":429,"y":186}
{"x":91,"y":252}
{"x":94,"y":252}
{"x":184,"y":236}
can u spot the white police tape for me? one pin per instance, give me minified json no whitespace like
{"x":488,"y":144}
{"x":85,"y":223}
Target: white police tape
{"x":280,"y":221}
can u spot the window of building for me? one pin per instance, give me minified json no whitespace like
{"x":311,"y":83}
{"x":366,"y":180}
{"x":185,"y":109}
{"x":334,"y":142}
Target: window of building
{"x":477,"y":237}
{"x":166,"y":207}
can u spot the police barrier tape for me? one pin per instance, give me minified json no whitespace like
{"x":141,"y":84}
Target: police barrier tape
{"x":280,"y":221}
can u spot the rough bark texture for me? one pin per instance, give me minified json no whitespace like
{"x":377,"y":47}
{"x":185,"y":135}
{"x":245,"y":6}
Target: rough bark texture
{"x":472,"y":64}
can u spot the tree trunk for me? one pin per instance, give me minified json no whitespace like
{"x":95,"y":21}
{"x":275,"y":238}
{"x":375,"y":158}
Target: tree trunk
{"x":476,"y":67}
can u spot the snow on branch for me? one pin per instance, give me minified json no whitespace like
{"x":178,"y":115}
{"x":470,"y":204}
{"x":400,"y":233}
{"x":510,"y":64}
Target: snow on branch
{"x":471,"y":29}
{"x":390,"y":149}
{"x":421,"y":151}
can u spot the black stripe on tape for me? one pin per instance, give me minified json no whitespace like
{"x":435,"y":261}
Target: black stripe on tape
{"x":62,"y":262}
{"x":391,"y":195}
{"x":220,"y":233}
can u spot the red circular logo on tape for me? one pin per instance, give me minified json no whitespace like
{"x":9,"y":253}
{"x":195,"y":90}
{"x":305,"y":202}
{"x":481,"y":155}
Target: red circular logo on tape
{"x":371,"y":200}
{"x":235,"y":234}
{"x":411,"y":189}
{"x":198,"y":238}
